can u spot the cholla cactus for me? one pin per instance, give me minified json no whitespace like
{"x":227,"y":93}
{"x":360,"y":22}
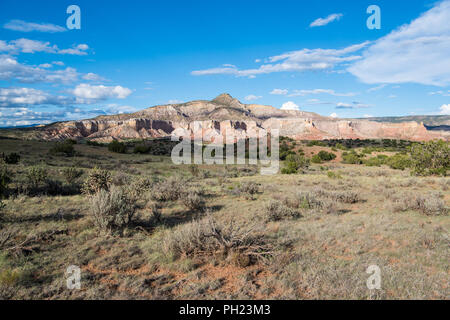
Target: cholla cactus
{"x":97,"y":180}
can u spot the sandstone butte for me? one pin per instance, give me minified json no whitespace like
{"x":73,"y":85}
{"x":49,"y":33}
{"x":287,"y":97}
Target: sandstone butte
{"x":226,"y":113}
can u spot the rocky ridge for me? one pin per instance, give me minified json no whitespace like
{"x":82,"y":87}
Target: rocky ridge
{"x":226,"y":113}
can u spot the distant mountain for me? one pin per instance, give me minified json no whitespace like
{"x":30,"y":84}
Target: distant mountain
{"x":430,"y":121}
{"x":212,"y":119}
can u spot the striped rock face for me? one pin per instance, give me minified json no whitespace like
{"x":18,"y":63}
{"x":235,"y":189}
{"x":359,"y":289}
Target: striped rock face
{"x":224,"y":117}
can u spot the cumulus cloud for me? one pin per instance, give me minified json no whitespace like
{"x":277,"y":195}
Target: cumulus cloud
{"x":11,"y":69}
{"x":418,"y":52}
{"x":92,"y":77}
{"x":252,"y":97}
{"x":324,"y":21}
{"x":281,"y":92}
{"x":23,"y":26}
{"x":290,"y":106}
{"x":20,"y":97}
{"x":31,"y":46}
{"x":445,"y":109}
{"x":334,"y":115}
{"x":86,"y":93}
{"x":295,"y":61}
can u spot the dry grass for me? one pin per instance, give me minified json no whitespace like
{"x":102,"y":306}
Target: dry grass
{"x":315,"y":236}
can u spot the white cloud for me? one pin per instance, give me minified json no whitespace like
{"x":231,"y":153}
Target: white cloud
{"x":86,"y":93}
{"x":295,"y":61}
{"x":15,"y":97}
{"x":79,"y":50}
{"x":252,"y":97}
{"x":376,"y":88}
{"x":92,"y":77}
{"x":174,"y":101}
{"x":118,"y":109}
{"x":324,"y":21}
{"x":441,"y":93}
{"x":23,"y":26}
{"x":281,"y":92}
{"x":45,"y":65}
{"x":31,"y":46}
{"x":58,"y":63}
{"x":445,"y":109}
{"x":353,"y":105}
{"x":418,"y":52}
{"x":290,"y":106}
{"x":392,"y":96}
{"x":334,"y":115}
{"x":11,"y":69}
{"x":302,"y":93}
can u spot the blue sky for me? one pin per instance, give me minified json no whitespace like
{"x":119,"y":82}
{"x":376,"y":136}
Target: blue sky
{"x":134,"y":54}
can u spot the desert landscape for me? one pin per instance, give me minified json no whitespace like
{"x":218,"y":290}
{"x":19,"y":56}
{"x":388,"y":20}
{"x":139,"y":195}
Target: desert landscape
{"x":104,"y":195}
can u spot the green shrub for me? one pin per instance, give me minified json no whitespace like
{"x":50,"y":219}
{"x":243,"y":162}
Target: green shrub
{"x":430,"y":158}
{"x":36,"y":175}
{"x":351,"y":158}
{"x":377,"y":161}
{"x":295,"y":163}
{"x":111,"y":210}
{"x":72,"y":174}
{"x":399,"y":161}
{"x":12,"y":158}
{"x":97,"y":180}
{"x":5,"y":178}
{"x":141,"y":149}
{"x":326,"y":156}
{"x":334,"y":175}
{"x":117,"y":147}
{"x":64,"y":148}
{"x":316,"y":159}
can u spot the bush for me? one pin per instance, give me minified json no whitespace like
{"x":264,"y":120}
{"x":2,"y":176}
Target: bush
{"x":316,"y":159}
{"x":193,"y":168}
{"x":295,"y":163}
{"x":430,"y":204}
{"x":72,"y":174}
{"x":117,"y":147}
{"x":249,"y":189}
{"x":276,"y":210}
{"x":334,"y":175}
{"x":168,"y":190}
{"x":351,"y":158}
{"x":5,"y":178}
{"x":97,"y":180}
{"x":36,"y":175}
{"x":12,"y":158}
{"x":207,"y":237}
{"x":111,"y":210}
{"x":430,"y":158}
{"x":64,"y":148}
{"x":326,"y":156}
{"x":399,"y":162}
{"x":193,"y":200}
{"x":377,"y":161}
{"x":141,"y":149}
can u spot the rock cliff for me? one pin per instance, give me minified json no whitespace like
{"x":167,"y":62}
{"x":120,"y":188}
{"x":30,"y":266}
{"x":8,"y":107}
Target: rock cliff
{"x":226,"y":113}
